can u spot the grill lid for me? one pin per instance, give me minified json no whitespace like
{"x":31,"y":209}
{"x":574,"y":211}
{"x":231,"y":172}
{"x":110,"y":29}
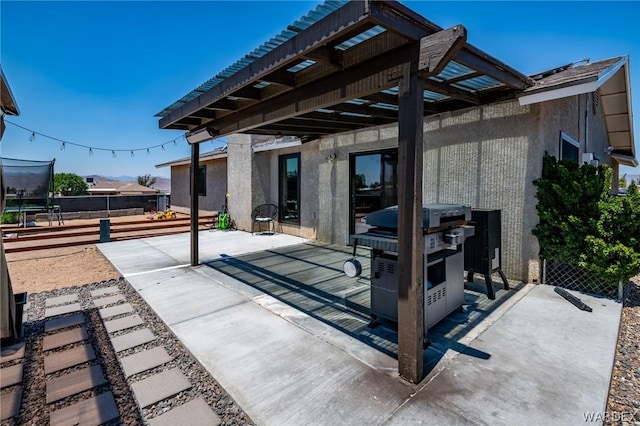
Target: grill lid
{"x":432,"y":215}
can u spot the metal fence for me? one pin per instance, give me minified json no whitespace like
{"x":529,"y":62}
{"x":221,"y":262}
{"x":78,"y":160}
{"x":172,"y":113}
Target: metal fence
{"x":571,"y":277}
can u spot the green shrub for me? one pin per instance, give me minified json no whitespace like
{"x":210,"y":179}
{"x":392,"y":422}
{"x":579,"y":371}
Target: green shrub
{"x":582,"y":224}
{"x":9,"y":218}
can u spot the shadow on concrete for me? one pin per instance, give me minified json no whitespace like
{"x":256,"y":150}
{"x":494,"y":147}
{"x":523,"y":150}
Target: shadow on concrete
{"x":309,"y":278}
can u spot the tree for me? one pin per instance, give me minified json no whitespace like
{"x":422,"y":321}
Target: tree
{"x":69,"y":184}
{"x":146,"y":180}
{"x":622,"y":181}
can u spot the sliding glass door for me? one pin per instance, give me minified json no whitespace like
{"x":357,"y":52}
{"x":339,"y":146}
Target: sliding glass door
{"x":374,"y":185}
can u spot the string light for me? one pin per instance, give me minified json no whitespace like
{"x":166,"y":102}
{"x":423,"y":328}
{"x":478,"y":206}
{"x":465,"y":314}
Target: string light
{"x":91,"y":149}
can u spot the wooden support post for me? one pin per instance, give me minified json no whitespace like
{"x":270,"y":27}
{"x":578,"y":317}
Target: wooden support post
{"x":435,"y":51}
{"x":195,"y":189}
{"x":410,"y":238}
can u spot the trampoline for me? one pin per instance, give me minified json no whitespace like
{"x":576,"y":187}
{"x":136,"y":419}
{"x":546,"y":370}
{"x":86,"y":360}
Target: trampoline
{"x":29,"y":188}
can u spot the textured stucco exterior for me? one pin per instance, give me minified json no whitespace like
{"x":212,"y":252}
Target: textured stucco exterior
{"x":216,"y":180}
{"x":485,"y":157}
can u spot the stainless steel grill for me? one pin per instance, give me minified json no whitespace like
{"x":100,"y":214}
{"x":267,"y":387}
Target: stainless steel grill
{"x":445,"y":230}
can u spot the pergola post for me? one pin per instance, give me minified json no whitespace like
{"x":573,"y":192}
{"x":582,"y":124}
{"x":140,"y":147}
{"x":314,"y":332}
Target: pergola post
{"x":434,"y":53}
{"x":410,"y":239}
{"x":193,"y":177}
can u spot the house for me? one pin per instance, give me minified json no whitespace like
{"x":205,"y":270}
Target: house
{"x":213,"y":181}
{"x":8,"y":313}
{"x":390,"y":108}
{"x":119,"y":188}
{"x":484,"y":155}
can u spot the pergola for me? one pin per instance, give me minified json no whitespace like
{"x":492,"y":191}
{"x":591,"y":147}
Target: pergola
{"x":346,"y":66}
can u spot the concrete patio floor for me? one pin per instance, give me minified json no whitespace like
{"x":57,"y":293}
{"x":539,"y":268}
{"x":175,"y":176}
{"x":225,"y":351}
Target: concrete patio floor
{"x":533,"y":359}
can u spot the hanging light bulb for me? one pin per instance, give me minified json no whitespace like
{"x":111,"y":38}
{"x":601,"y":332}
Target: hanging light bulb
{"x":32,"y":137}
{"x":148,"y":152}
{"x":132,"y":154}
{"x":162,"y":146}
{"x":62,"y":146}
{"x":113,"y":153}
{"x":175,"y":143}
{"x":90,"y":152}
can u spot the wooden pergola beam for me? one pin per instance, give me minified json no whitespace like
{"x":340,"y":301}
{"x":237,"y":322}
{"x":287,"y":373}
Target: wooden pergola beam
{"x":398,"y":18}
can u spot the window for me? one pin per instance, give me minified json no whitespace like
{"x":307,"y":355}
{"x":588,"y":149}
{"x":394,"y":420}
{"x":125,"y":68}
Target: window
{"x":202,"y":181}
{"x":569,"y":148}
{"x":289,"y":188}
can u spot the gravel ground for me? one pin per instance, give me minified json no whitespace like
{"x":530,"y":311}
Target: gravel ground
{"x":623,"y":405}
{"x":35,"y":410}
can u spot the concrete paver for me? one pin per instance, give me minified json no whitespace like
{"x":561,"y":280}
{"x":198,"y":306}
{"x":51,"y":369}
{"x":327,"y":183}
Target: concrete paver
{"x":123,"y":323}
{"x":9,"y":353}
{"x":105,"y":291}
{"x":69,"y":358}
{"x":195,"y":413}
{"x":124,"y":308}
{"x":160,"y":386}
{"x":63,"y":322}
{"x":145,"y":360}
{"x":61,"y":310}
{"x":61,"y":300}
{"x":110,"y":300}
{"x":133,"y":339}
{"x":10,"y":376}
{"x":58,"y":340}
{"x":93,"y":411}
{"x":10,"y":403}
{"x":73,"y":383}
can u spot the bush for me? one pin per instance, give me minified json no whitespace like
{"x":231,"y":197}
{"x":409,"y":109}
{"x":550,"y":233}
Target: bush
{"x":9,"y":218}
{"x":582,"y":224}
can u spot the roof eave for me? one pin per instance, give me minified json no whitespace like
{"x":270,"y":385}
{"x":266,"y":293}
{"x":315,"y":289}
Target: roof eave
{"x":8,"y":102}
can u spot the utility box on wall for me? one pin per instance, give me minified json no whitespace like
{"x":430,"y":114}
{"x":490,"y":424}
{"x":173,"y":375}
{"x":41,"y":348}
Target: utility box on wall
{"x":483,"y":251}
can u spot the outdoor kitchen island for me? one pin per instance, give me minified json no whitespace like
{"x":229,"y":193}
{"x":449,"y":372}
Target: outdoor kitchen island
{"x":445,"y":229}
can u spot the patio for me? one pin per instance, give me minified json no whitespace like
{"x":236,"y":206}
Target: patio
{"x":309,"y":278}
{"x":274,"y":321}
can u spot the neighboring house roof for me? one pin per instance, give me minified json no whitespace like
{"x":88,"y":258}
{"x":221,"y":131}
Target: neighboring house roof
{"x":119,"y":187}
{"x":610,"y":79}
{"x":216,"y":154}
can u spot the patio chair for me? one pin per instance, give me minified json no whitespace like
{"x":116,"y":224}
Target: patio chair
{"x":264,"y":213}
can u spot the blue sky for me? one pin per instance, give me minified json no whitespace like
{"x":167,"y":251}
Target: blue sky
{"x":95,"y":73}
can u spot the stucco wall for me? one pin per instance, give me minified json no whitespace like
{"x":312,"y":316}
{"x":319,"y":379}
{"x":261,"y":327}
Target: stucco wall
{"x":216,"y":181}
{"x":240,"y":179}
{"x":485,"y":157}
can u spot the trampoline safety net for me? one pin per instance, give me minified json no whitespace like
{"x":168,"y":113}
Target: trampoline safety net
{"x":27,"y":181}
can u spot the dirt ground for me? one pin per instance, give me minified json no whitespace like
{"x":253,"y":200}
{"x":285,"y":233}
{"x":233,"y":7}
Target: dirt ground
{"x":49,"y":269}
{"x":42,"y":270}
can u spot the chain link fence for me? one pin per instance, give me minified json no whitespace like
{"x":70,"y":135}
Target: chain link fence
{"x":571,"y":277}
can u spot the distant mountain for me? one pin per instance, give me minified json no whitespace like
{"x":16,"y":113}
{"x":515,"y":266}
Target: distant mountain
{"x":162,"y":183}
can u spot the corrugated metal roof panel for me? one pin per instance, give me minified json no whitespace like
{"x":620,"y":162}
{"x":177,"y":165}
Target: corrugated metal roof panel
{"x":300,"y":66}
{"x":309,"y":19}
{"x":382,"y":105}
{"x":366,"y":35}
{"x":433,"y":96}
{"x":453,"y":70}
{"x":482,"y":82}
